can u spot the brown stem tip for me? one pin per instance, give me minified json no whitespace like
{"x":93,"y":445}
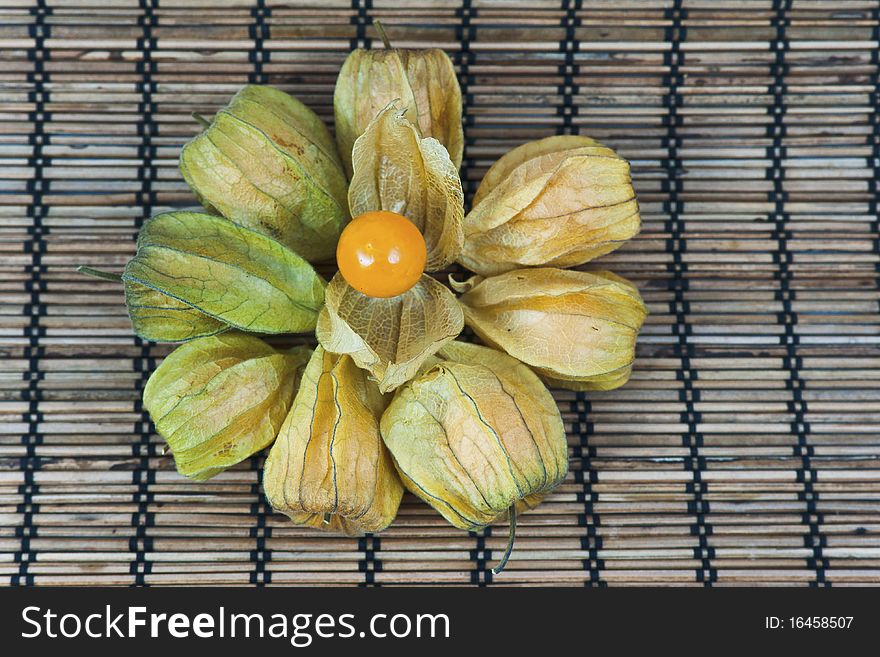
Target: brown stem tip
{"x":381,"y":30}
{"x":506,"y":556}
{"x":97,"y":273}
{"x":201,"y":120}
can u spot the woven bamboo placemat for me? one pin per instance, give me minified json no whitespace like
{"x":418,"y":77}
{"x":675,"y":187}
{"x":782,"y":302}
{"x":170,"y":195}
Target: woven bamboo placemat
{"x":744,"y":450}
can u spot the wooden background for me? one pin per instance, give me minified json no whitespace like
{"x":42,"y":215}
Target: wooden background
{"x":744,"y":450}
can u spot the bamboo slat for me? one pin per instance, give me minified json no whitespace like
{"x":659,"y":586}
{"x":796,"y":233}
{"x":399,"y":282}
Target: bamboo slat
{"x":746,"y":448}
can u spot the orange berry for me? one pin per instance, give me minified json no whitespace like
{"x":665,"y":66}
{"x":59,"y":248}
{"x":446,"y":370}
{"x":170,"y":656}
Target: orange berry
{"x":381,"y":254}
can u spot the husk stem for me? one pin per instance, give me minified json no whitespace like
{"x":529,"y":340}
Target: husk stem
{"x":381,"y":30}
{"x":201,"y":120}
{"x":510,"y":539}
{"x":97,"y":273}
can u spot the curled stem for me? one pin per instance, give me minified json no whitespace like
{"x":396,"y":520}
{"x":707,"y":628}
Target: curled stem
{"x":201,"y":120}
{"x":97,"y":273}
{"x":506,"y":556}
{"x":381,"y":30}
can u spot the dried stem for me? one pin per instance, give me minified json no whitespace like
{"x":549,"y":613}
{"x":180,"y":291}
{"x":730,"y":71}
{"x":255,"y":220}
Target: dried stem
{"x":201,"y":120}
{"x":97,"y":273}
{"x":381,"y":30}
{"x":506,"y":556}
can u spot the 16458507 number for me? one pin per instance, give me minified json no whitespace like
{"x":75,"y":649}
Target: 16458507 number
{"x":820,"y":622}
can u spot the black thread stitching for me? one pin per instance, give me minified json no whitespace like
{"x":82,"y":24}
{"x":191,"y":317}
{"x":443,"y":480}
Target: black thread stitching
{"x":261,"y":532}
{"x":258,"y":31}
{"x":874,"y":122}
{"x":568,"y":69}
{"x":143,"y":475}
{"x":692,"y":439}
{"x":466,"y":33}
{"x":787,"y":319}
{"x":360,"y":20}
{"x":39,"y":31}
{"x":371,"y":563}
{"x":591,"y":542}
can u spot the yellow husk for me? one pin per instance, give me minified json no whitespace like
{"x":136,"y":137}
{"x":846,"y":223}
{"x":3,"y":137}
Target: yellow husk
{"x":475,"y":433}
{"x":560,"y":201}
{"x":397,"y":171}
{"x":267,"y":162}
{"x":423,"y":81}
{"x":217,"y":400}
{"x":329,"y":468}
{"x":390,"y":338}
{"x":576,"y":329}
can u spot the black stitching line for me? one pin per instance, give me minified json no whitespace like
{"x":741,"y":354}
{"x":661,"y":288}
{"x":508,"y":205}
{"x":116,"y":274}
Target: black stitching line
{"x":258,"y":31}
{"x":371,"y":563}
{"x":874,"y":122}
{"x":34,"y":309}
{"x":143,"y":475}
{"x":360,"y":20}
{"x":591,"y":542}
{"x":466,"y":33}
{"x":787,"y":319}
{"x":677,"y":246}
{"x":569,"y":45}
{"x":261,"y":555}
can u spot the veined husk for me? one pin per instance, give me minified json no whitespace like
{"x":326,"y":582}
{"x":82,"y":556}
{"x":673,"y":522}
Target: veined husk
{"x":475,"y":433}
{"x":559,"y":201}
{"x":159,"y":318}
{"x":268,"y":162}
{"x":218,"y":400}
{"x":190,"y":264}
{"x":396,"y":170}
{"x":576,"y":329}
{"x":329,"y":468}
{"x":390,"y":338}
{"x":423,"y":80}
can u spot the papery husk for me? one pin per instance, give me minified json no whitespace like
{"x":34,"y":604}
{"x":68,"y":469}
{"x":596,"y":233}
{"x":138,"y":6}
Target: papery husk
{"x":267,"y":162}
{"x":475,"y":433}
{"x":576,"y":329}
{"x":198,"y":263}
{"x":218,"y":400}
{"x":159,"y":318}
{"x":423,"y":80}
{"x":329,"y":468}
{"x":560,"y":201}
{"x":390,"y":338}
{"x":396,"y":170}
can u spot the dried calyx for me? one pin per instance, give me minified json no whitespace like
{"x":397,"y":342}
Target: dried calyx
{"x":267,"y":162}
{"x":475,"y":434}
{"x":329,"y":468}
{"x":220,"y":399}
{"x":425,"y":83}
{"x":576,"y":329}
{"x":560,"y":202}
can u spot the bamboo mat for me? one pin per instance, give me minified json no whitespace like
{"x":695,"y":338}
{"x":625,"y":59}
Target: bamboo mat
{"x":745,"y":450}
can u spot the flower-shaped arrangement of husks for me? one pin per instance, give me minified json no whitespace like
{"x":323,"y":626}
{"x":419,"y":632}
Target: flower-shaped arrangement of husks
{"x":389,"y":400}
